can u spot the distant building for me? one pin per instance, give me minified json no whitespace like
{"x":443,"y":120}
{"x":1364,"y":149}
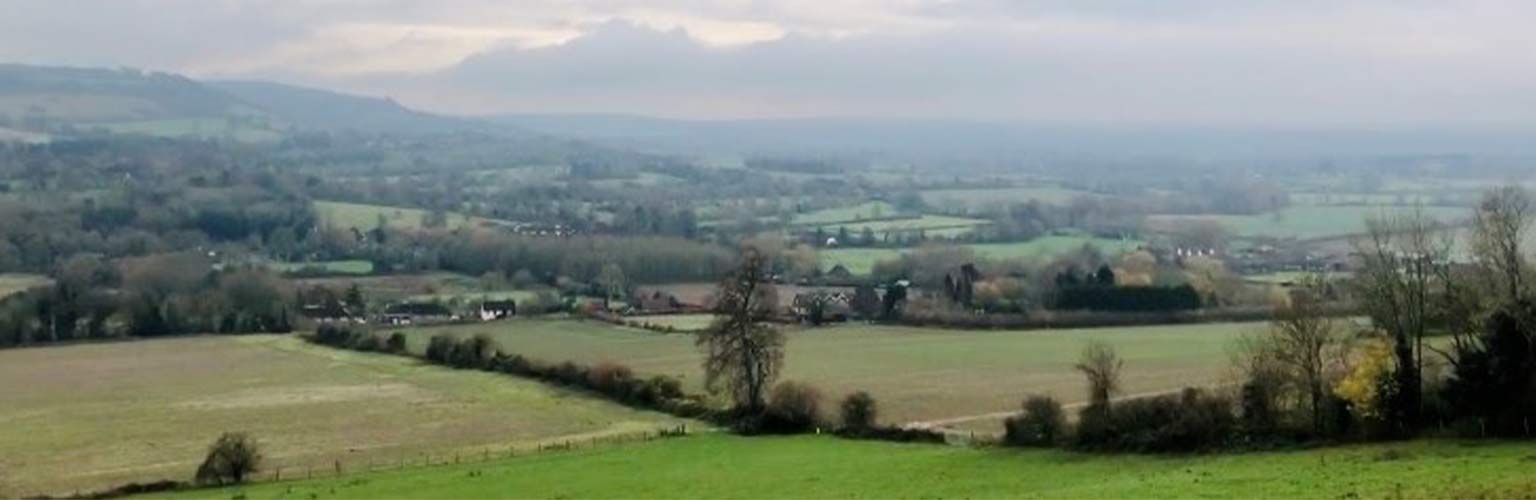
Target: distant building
{"x":657,"y":302}
{"x":329,"y":312}
{"x":492,"y":310}
{"x":832,"y":306}
{"x":409,"y":313}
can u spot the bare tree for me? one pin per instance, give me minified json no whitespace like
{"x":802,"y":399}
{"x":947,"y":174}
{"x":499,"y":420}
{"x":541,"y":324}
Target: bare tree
{"x":1102,"y":367}
{"x":1500,"y":224}
{"x":611,"y":278}
{"x":1306,"y":341}
{"x":233,"y":458}
{"x":740,"y":349}
{"x":1402,"y":259}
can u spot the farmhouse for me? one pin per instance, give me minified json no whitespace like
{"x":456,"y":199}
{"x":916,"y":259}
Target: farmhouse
{"x":657,"y":302}
{"x":330,"y":311}
{"x":491,"y":310}
{"x":409,"y":313}
{"x":821,"y":306}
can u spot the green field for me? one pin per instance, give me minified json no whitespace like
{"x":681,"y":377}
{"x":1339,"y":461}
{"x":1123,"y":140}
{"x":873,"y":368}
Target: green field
{"x":862,"y":211}
{"x":16,"y":282}
{"x":972,"y":199}
{"x":722,"y":466}
{"x":679,"y":322}
{"x":96,"y":415}
{"x":351,"y":267}
{"x":917,"y":374}
{"x":195,"y":127}
{"x":932,"y":226}
{"x":1306,"y":222}
{"x":365,"y":217}
{"x":862,"y":260}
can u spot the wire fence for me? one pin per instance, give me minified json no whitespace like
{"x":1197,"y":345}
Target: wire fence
{"x":342,"y":467}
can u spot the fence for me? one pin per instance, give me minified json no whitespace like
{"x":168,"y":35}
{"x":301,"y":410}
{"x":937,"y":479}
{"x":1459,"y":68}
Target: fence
{"x":342,"y":468}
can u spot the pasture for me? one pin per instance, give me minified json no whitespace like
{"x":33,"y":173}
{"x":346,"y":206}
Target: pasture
{"x":932,"y":226}
{"x":723,"y":466}
{"x":679,"y":322}
{"x":11,"y":283}
{"x":88,"y":416}
{"x":862,"y":260}
{"x":917,"y":374}
{"x":347,"y":267}
{"x":974,"y":199}
{"x":364,"y":217}
{"x":1306,"y":222}
{"x":862,"y":211}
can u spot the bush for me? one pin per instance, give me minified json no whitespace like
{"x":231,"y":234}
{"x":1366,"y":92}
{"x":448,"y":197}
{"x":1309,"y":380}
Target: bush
{"x":1189,"y":421}
{"x":395,"y":344}
{"x":231,"y":459}
{"x":440,"y":349}
{"x":859,"y":412}
{"x":1043,"y":423}
{"x":472,"y":353}
{"x":610,"y":378}
{"x":792,"y":407}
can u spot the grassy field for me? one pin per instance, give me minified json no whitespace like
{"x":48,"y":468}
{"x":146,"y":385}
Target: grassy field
{"x":352,"y":267}
{"x":980,"y":198}
{"x":680,"y":322}
{"x":195,"y":127}
{"x":917,"y":374}
{"x":861,"y":260}
{"x":862,"y":211}
{"x":89,"y":416}
{"x":723,"y":466}
{"x":16,"y":282}
{"x":365,"y":217}
{"x":1306,"y":222}
{"x":933,"y":226}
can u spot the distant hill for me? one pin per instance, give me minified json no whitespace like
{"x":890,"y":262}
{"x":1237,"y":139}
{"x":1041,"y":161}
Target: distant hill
{"x":44,"y":101}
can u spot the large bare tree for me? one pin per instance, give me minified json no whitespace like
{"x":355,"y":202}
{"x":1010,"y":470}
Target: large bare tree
{"x":741,"y":351}
{"x":1499,"y":228}
{"x":1307,"y":341}
{"x":1402,"y":261}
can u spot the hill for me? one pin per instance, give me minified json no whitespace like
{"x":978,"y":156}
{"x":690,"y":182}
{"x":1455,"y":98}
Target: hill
{"x":41,"y":101}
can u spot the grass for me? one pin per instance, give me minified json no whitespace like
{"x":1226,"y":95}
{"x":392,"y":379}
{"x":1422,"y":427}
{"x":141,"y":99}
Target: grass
{"x":723,"y":466}
{"x":1307,"y":222}
{"x":195,"y":127}
{"x":351,"y":267}
{"x":680,"y":322}
{"x":930,"y":225}
{"x":862,"y":260}
{"x":365,"y":217}
{"x":94,"y":415}
{"x":972,"y":199}
{"x":917,"y":374}
{"x":862,"y":211}
{"x":12,"y":283}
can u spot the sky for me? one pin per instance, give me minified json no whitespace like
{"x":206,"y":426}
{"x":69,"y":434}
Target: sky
{"x":1321,"y":63}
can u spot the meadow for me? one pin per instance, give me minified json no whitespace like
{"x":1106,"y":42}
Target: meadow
{"x":973,"y":199}
{"x":1307,"y":222}
{"x":364,"y":217}
{"x":723,"y":466}
{"x":88,"y":416}
{"x":862,"y":260}
{"x":347,"y":267}
{"x":11,"y":283}
{"x":917,"y":374}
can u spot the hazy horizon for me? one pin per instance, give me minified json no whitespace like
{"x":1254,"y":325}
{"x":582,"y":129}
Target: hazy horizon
{"x":1187,"y":63}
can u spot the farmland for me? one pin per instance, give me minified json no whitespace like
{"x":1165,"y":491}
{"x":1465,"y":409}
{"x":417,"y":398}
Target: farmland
{"x":350,"y":267}
{"x":972,"y":199}
{"x":862,"y":260}
{"x":719,"y":466}
{"x":365,"y":217}
{"x":90,"y":416}
{"x":1307,"y":222}
{"x":14,"y":282}
{"x":916,"y":373}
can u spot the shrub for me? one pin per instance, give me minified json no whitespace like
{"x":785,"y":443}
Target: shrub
{"x":859,"y":412}
{"x":473,"y":353}
{"x":1189,"y":421}
{"x":396,"y":343}
{"x":231,"y":459}
{"x":366,"y":342}
{"x":440,"y":349}
{"x":1043,"y":423}
{"x":792,"y":407}
{"x":610,"y":378}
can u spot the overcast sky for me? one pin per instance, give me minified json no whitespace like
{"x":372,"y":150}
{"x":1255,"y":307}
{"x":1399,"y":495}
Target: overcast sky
{"x":1207,"y":62}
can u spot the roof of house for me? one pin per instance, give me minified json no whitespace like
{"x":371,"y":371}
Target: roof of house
{"x":498,"y":305}
{"x":417,"y":309}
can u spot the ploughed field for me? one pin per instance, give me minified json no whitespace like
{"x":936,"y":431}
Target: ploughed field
{"x":957,"y":377}
{"x":723,"y":466}
{"x":84,"y":417}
